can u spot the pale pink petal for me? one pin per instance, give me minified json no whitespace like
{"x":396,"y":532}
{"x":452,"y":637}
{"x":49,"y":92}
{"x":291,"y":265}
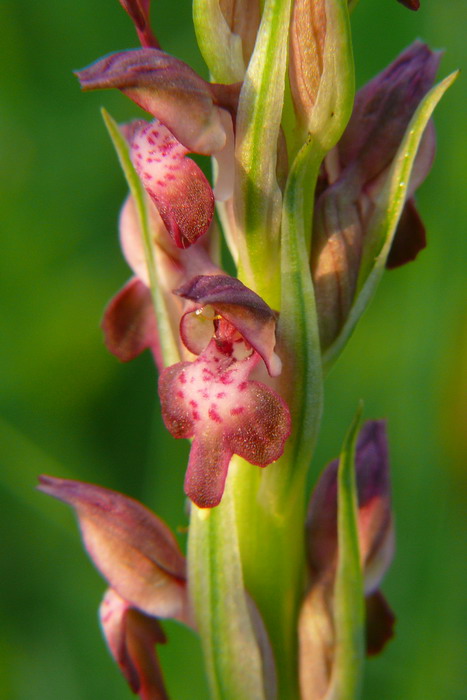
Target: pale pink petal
{"x":131,"y":239}
{"x":177,"y":186}
{"x":225,"y":177}
{"x":129,"y":323}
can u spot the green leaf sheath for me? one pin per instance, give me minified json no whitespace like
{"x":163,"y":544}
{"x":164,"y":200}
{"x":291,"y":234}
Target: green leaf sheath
{"x":348,"y":587}
{"x":220,"y":47}
{"x":257,"y":195}
{"x":216,"y":587}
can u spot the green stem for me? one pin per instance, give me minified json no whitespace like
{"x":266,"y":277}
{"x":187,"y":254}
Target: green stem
{"x":232,"y":655}
{"x":257,"y":196}
{"x":273,"y":565}
{"x":270,"y":503}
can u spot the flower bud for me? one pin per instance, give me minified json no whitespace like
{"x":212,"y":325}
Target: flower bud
{"x":374,"y":509}
{"x":243,"y":18}
{"x":353,"y":176}
{"x":375,"y":530}
{"x":167,"y":88}
{"x":321,"y":68}
{"x":131,"y":547}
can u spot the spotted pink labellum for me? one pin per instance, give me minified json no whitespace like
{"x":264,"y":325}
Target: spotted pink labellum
{"x":212,"y":399}
{"x":176,"y":185}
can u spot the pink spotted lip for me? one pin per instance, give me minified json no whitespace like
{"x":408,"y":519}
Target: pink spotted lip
{"x":178,"y":188}
{"x":214,"y":387}
{"x":213,"y":401}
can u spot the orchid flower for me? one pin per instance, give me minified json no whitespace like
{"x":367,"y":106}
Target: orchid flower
{"x":140,"y":559}
{"x":212,"y":399}
{"x":353,"y":178}
{"x":317,"y":627}
{"x":190,"y":116}
{"x":314,"y":190}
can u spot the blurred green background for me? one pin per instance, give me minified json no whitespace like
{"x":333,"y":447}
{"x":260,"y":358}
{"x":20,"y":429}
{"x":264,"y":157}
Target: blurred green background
{"x":68,"y":408}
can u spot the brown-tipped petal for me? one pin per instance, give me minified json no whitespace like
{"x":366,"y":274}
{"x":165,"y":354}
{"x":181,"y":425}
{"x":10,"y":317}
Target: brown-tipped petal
{"x":335,"y":257}
{"x":316,"y":641}
{"x":131,"y":637}
{"x":307,"y":36}
{"x":374,"y":503}
{"x":374,"y":509}
{"x":410,"y":4}
{"x":241,"y":307}
{"x":383,"y":109}
{"x":380,"y":621}
{"x":409,"y":239}
{"x":129,"y":324}
{"x":213,"y":401}
{"x":138,"y":10}
{"x":177,"y":186}
{"x":167,"y":88}
{"x":132,"y":548}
